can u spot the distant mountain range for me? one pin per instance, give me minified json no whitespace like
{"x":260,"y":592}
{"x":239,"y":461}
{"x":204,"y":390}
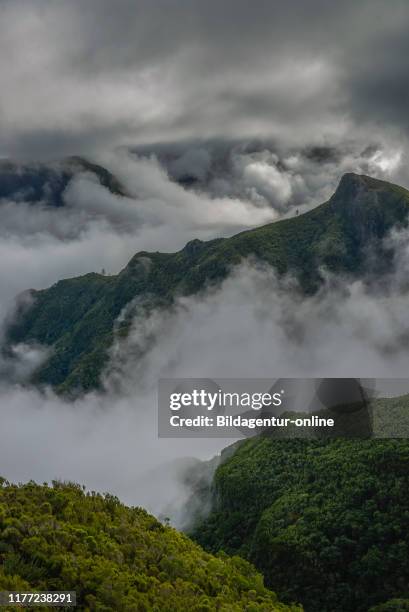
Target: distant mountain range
{"x":45,"y":182}
{"x":76,"y":316}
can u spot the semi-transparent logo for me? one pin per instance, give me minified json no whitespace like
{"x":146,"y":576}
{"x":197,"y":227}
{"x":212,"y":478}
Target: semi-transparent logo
{"x":283,"y":408}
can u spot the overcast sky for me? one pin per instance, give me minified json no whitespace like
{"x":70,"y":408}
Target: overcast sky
{"x":83,"y":75}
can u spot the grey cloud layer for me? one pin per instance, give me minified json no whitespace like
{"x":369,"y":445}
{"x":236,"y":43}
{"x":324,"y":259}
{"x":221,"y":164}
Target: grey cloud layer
{"x":236,"y":187}
{"x":254,"y":325}
{"x":95,"y":230}
{"x":268,"y":174}
{"x":78,"y":76}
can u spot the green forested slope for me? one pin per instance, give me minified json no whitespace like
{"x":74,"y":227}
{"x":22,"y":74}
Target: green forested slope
{"x":116,"y":558}
{"x":327,"y":522}
{"x":76,"y":316}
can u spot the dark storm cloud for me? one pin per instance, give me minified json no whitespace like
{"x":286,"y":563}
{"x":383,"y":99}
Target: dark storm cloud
{"x":79,"y":76}
{"x":379,"y":84}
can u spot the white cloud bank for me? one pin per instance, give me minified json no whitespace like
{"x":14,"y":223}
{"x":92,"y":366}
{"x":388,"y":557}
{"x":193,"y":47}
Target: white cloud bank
{"x":254,"y":325}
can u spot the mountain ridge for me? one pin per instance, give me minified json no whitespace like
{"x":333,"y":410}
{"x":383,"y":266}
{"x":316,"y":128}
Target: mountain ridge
{"x":45,"y":183}
{"x":75,"y":317}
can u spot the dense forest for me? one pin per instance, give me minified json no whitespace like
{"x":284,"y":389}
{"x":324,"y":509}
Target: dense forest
{"x":326,"y":521}
{"x":116,"y":558}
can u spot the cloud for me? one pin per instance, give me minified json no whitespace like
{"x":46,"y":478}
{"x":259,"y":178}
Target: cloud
{"x":171,"y":70}
{"x":256,"y":325}
{"x":267,"y":173}
{"x":107,"y":443}
{"x":268,"y":181}
{"x":262,"y":107}
{"x":253,"y":325}
{"x":96,"y":229}
{"x":233,"y":186}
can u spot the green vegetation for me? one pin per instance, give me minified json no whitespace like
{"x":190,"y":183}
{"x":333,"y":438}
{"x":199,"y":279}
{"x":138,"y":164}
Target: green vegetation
{"x":116,"y":558}
{"x":393,"y":605}
{"x":326,"y":521}
{"x":76,"y":316}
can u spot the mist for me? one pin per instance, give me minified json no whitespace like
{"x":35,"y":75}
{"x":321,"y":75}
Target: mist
{"x":254,"y":325}
{"x":234,"y":186}
{"x":108,"y":443}
{"x":277,"y":175}
{"x":215,"y":117}
{"x":97,"y":230}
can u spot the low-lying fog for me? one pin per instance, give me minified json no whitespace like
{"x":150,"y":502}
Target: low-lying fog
{"x":253,"y":326}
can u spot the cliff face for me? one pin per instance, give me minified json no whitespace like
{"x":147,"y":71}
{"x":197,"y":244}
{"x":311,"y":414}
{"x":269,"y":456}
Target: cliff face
{"x":369,"y":207}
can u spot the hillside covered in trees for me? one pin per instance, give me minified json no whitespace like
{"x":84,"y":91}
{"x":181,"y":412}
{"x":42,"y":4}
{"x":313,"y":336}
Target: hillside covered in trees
{"x":116,"y":558}
{"x":326,"y":522}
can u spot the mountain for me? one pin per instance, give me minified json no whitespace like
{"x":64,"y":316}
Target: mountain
{"x":75,"y":317}
{"x":326,"y":522}
{"x":45,"y":183}
{"x":59,"y":538}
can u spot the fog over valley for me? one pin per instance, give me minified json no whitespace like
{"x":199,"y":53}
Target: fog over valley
{"x":189,"y":124}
